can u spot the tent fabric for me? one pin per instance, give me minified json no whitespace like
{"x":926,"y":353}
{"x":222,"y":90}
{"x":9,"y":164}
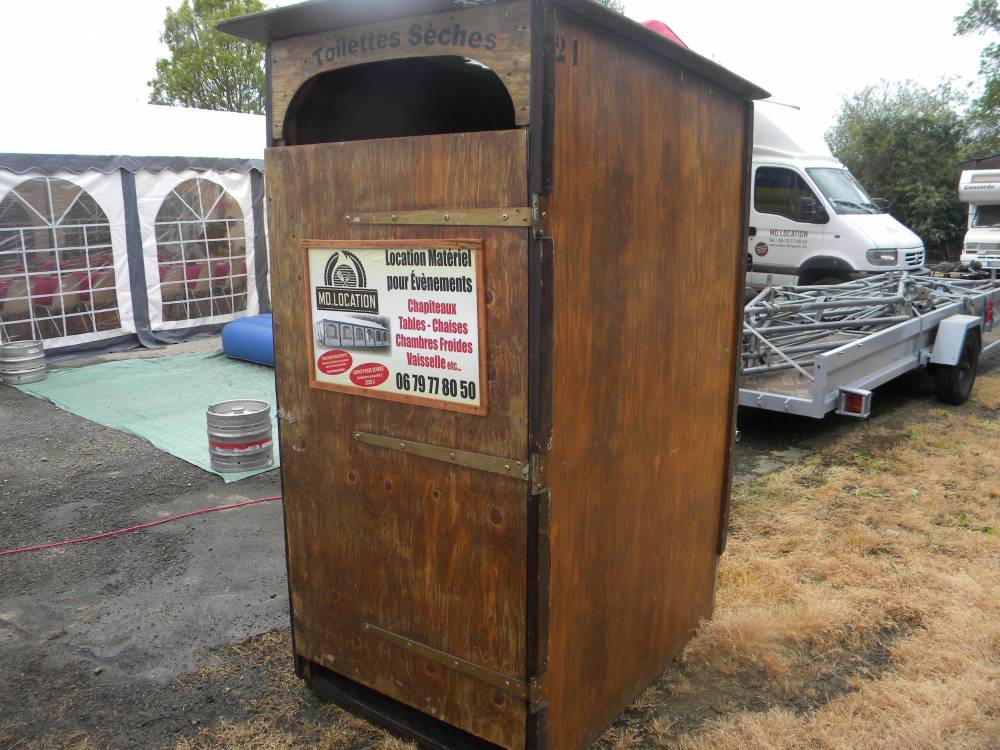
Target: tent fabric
{"x":222,"y":257}
{"x":64,"y":271}
{"x":55,"y":267}
{"x":52,"y":163}
{"x":135,"y":137}
{"x":261,"y":263}
{"x":198,"y":233}
{"x":162,"y":399}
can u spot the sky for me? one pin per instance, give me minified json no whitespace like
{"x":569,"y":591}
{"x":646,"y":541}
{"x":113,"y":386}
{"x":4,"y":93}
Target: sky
{"x":75,"y":55}
{"x":812,"y":54}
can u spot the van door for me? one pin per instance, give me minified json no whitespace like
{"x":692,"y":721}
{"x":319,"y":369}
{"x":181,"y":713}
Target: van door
{"x":788,"y":224}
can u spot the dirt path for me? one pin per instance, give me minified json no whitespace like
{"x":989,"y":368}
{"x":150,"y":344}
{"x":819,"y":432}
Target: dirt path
{"x":91,"y":635}
{"x":857,"y":603}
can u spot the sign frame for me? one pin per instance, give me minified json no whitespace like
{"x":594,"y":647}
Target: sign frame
{"x":476,"y":245}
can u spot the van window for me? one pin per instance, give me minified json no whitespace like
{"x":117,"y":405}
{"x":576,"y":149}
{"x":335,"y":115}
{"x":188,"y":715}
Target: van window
{"x":780,"y":191}
{"x":843,"y":191}
{"x":986,"y":216}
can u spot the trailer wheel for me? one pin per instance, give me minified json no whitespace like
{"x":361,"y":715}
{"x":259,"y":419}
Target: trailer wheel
{"x":953,"y":383}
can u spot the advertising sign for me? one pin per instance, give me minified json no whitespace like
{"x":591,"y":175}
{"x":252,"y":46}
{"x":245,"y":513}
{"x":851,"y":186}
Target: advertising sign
{"x":398,"y":319}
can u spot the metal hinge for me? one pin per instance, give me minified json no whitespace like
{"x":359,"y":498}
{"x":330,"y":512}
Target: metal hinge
{"x":508,"y":467}
{"x":535,"y":696}
{"x":287,"y":419}
{"x":539,"y":216}
{"x":536,"y":474}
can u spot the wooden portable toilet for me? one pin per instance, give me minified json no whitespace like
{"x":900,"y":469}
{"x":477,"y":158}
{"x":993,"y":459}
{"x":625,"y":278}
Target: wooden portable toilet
{"x":503,"y":515}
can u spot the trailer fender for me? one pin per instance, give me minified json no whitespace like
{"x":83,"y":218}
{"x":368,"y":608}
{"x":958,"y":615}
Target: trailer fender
{"x":950,"y":338}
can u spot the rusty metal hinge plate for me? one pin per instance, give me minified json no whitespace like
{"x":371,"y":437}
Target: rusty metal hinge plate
{"x":508,"y":467}
{"x":540,"y":215}
{"x":503,"y":682}
{"x":516,"y":216}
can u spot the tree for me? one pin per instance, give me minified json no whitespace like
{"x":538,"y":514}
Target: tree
{"x":206,"y":68}
{"x":983,"y":17}
{"x":615,"y":5}
{"x":904,"y":143}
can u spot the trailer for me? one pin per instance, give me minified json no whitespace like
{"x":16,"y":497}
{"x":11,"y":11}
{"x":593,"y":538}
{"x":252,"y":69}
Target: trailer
{"x":810,"y":350}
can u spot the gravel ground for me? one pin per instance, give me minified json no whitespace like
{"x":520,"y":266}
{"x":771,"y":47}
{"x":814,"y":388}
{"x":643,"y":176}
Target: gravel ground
{"x":92,"y":635}
{"x":108,"y":643}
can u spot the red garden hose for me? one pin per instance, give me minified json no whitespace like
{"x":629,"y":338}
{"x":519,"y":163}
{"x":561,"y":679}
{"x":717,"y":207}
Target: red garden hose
{"x":139,"y":527}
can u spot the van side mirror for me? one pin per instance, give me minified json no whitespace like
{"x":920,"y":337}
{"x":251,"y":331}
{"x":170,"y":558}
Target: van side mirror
{"x":811,"y":211}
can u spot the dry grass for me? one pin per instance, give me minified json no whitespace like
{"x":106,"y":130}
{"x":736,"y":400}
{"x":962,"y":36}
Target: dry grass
{"x":857,"y":608}
{"x":73,"y":741}
{"x":286,"y":715}
{"x":859,"y":600}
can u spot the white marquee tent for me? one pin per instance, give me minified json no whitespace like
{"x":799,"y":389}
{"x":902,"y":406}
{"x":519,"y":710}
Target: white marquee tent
{"x":142,"y":225}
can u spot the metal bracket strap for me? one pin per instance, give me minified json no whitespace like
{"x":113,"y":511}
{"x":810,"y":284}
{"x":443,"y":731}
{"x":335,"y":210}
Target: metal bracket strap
{"x":468,"y":217}
{"x":507,"y":467}
{"x":498,"y":680}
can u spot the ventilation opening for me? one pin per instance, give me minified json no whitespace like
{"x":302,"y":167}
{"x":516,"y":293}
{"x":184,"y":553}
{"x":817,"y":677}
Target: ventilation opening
{"x":398,"y":98}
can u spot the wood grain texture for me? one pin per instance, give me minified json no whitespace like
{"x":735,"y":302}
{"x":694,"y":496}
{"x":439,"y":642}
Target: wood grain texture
{"x":423,"y":549}
{"x":294,"y":61}
{"x":646,"y":222}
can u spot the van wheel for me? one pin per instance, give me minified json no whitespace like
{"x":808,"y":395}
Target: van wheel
{"x":953,"y":383}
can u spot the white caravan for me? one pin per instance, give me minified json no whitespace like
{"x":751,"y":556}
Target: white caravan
{"x":980,"y":188}
{"x":811,"y":222}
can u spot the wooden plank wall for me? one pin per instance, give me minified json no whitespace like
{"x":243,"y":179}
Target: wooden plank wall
{"x":646,"y":218}
{"x":502,"y":42}
{"x":418,"y":547}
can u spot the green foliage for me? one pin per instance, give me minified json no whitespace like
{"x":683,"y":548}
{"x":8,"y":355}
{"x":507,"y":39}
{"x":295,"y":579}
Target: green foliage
{"x":208,"y":69}
{"x":983,"y":17}
{"x":904,"y":143}
{"x":615,"y":5}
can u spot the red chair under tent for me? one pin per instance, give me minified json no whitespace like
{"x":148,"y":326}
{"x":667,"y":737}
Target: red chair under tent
{"x":192,"y":272}
{"x":220,"y":269}
{"x":42,"y":289}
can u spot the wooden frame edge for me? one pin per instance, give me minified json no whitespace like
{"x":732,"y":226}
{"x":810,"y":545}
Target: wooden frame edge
{"x":477,"y":245}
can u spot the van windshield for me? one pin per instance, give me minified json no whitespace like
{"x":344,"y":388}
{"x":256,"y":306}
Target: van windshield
{"x":986,"y":216}
{"x":843,"y":191}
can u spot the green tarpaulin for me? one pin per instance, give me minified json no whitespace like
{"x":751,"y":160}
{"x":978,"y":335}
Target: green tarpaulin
{"x":162,"y":400}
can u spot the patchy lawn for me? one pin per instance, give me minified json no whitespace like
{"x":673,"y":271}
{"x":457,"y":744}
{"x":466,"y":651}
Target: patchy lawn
{"x":858,"y":602}
{"x":858,"y":607}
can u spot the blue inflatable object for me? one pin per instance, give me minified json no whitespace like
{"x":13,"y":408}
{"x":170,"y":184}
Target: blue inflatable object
{"x":251,"y":339}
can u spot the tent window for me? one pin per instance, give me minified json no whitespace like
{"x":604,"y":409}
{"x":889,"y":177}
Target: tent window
{"x":201,"y":251}
{"x":397,"y":98}
{"x":57,"y":271}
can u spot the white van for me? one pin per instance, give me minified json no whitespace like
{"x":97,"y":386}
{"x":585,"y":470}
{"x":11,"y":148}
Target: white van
{"x":811,"y":222}
{"x":980,"y":188}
